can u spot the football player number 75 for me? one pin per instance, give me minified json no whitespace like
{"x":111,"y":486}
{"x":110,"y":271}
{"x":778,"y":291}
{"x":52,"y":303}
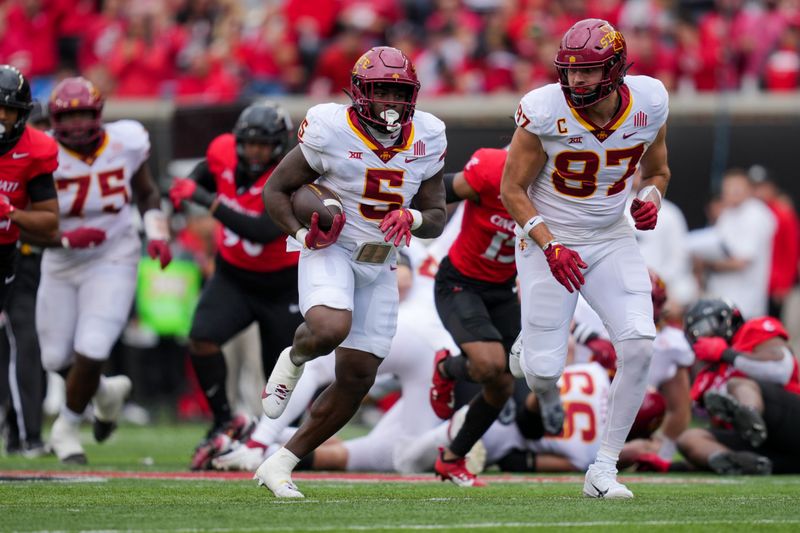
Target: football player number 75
{"x":113,"y":191}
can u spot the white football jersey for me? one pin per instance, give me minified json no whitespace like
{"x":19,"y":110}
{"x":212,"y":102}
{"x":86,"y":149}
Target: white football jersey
{"x":581,"y":190}
{"x":584,"y":394}
{"x":96,"y":192}
{"x":670,"y":351}
{"x":368,"y":177}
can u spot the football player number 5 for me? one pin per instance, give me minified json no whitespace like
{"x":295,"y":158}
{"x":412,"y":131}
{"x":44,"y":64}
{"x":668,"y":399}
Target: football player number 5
{"x":113,"y":191}
{"x":375,"y":180}
{"x":581,"y":182}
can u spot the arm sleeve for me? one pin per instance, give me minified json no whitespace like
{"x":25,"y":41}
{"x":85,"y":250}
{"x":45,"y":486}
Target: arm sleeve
{"x":260,"y":229}
{"x":41,"y":188}
{"x":774,"y":371}
{"x":449,"y":192}
{"x":203,"y":176}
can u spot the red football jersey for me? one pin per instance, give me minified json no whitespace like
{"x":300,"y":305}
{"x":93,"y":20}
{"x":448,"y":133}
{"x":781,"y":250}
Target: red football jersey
{"x":258,"y":257}
{"x":35,"y":153}
{"x":484,"y":249}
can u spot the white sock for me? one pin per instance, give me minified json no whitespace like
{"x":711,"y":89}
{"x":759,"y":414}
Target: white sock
{"x":625,"y":397}
{"x":286,"y":459}
{"x":71,"y":416}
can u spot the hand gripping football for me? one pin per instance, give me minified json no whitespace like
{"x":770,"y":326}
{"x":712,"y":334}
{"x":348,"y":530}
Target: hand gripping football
{"x":314,"y":198}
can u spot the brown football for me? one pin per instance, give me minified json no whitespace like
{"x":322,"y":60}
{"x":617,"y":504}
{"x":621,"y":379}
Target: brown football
{"x":314,"y":198}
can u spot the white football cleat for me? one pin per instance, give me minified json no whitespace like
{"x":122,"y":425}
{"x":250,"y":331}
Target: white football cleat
{"x":514,"y":354}
{"x":240,"y":458}
{"x":276,"y":474}
{"x":602,"y":483}
{"x":281,"y":383}
{"x":65,"y":441}
{"x":108,"y":402}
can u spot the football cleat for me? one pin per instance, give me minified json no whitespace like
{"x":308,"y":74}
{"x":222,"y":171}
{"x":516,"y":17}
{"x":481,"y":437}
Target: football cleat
{"x":219,"y":440}
{"x":747,"y":422}
{"x":456,"y":471}
{"x":602,"y":483}
{"x":108,"y":405}
{"x":281,"y":383}
{"x":475,"y":460}
{"x":514,"y":355}
{"x":240,"y":457}
{"x":65,"y":442}
{"x":442,"y":393}
{"x":276,"y":475}
{"x":740,"y":464}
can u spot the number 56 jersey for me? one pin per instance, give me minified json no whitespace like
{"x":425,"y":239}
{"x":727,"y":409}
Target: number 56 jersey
{"x":95,"y":191}
{"x":370,"y":179}
{"x":583,"y":186}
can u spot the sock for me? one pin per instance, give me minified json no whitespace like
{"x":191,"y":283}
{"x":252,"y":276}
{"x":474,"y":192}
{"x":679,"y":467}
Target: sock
{"x":479,"y":417}
{"x":455,"y":367}
{"x":530,"y":424}
{"x":286,"y":459}
{"x":306,"y":462}
{"x":625,"y":397}
{"x":71,"y":416}
{"x":211,"y":373}
{"x":518,"y":461}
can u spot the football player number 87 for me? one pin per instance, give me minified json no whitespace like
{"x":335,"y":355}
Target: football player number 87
{"x":582,"y":183}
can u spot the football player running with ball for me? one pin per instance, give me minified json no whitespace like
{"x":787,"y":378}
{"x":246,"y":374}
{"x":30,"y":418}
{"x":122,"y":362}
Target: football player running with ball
{"x":385,"y":161}
{"x":568,"y":173}
{"x":89,"y":271}
{"x":255,"y":277}
{"x":28,"y":158}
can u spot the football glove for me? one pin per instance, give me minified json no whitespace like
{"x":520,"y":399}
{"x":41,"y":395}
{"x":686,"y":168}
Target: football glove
{"x":185,"y":189}
{"x":397,"y":224}
{"x":645,"y":214}
{"x":710,"y":349}
{"x":565,"y":264}
{"x":316,"y":239}
{"x":159,"y":249}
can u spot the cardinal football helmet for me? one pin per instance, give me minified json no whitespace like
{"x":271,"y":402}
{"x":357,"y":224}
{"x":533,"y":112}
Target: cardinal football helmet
{"x":383,"y":65}
{"x":592,"y":43}
{"x":650,"y":415}
{"x":712,"y":318}
{"x":262,"y":122}
{"x":15,"y":92}
{"x":76,"y":94}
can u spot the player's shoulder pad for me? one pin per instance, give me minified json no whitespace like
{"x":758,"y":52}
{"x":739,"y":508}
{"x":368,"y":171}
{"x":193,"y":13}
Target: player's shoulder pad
{"x":651,"y":92}
{"x":221,"y":145}
{"x":130,"y":133}
{"x":536,"y":109}
{"x":43,"y":147}
{"x":318,"y":127}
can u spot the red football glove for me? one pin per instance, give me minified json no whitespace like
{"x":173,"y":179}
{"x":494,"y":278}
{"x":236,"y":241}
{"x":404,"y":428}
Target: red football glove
{"x":710,"y":349}
{"x":317,"y":239}
{"x":397,"y":224}
{"x":5,"y":207}
{"x":645,"y":214}
{"x":651,"y":462}
{"x":82,"y":238}
{"x":565,"y":264}
{"x":159,"y":249}
{"x":182,"y":189}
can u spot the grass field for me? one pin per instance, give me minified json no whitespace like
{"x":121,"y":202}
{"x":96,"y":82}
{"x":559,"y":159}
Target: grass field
{"x":101,"y":497}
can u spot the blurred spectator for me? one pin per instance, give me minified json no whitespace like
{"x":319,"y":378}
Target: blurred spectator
{"x":736,"y":252}
{"x":786,"y":242}
{"x":29,"y":37}
{"x":332,"y":73}
{"x":782,"y":66}
{"x":270,"y":58}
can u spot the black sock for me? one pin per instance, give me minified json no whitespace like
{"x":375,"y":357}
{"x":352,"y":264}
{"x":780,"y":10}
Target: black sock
{"x":455,"y":367}
{"x":518,"y":461}
{"x":480,"y":416}
{"x":530,"y":424}
{"x":212,"y":372}
{"x":306,"y":463}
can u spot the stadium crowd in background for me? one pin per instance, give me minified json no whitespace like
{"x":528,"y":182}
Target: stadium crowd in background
{"x":214,"y":51}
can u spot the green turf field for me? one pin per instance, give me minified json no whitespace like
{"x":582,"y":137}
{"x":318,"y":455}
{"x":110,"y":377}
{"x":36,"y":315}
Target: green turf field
{"x":662,"y":503}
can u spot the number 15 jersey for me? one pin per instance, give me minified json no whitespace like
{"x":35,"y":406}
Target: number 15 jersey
{"x":583,"y":186}
{"x":370,"y":179}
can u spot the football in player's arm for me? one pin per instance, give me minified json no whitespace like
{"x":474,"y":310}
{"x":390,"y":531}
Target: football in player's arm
{"x":28,"y":158}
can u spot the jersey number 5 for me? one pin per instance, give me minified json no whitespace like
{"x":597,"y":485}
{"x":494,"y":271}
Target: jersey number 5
{"x":582,"y":183}
{"x":373,"y":190}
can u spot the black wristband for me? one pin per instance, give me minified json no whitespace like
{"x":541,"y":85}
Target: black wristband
{"x":202,"y":197}
{"x":729,"y":355}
